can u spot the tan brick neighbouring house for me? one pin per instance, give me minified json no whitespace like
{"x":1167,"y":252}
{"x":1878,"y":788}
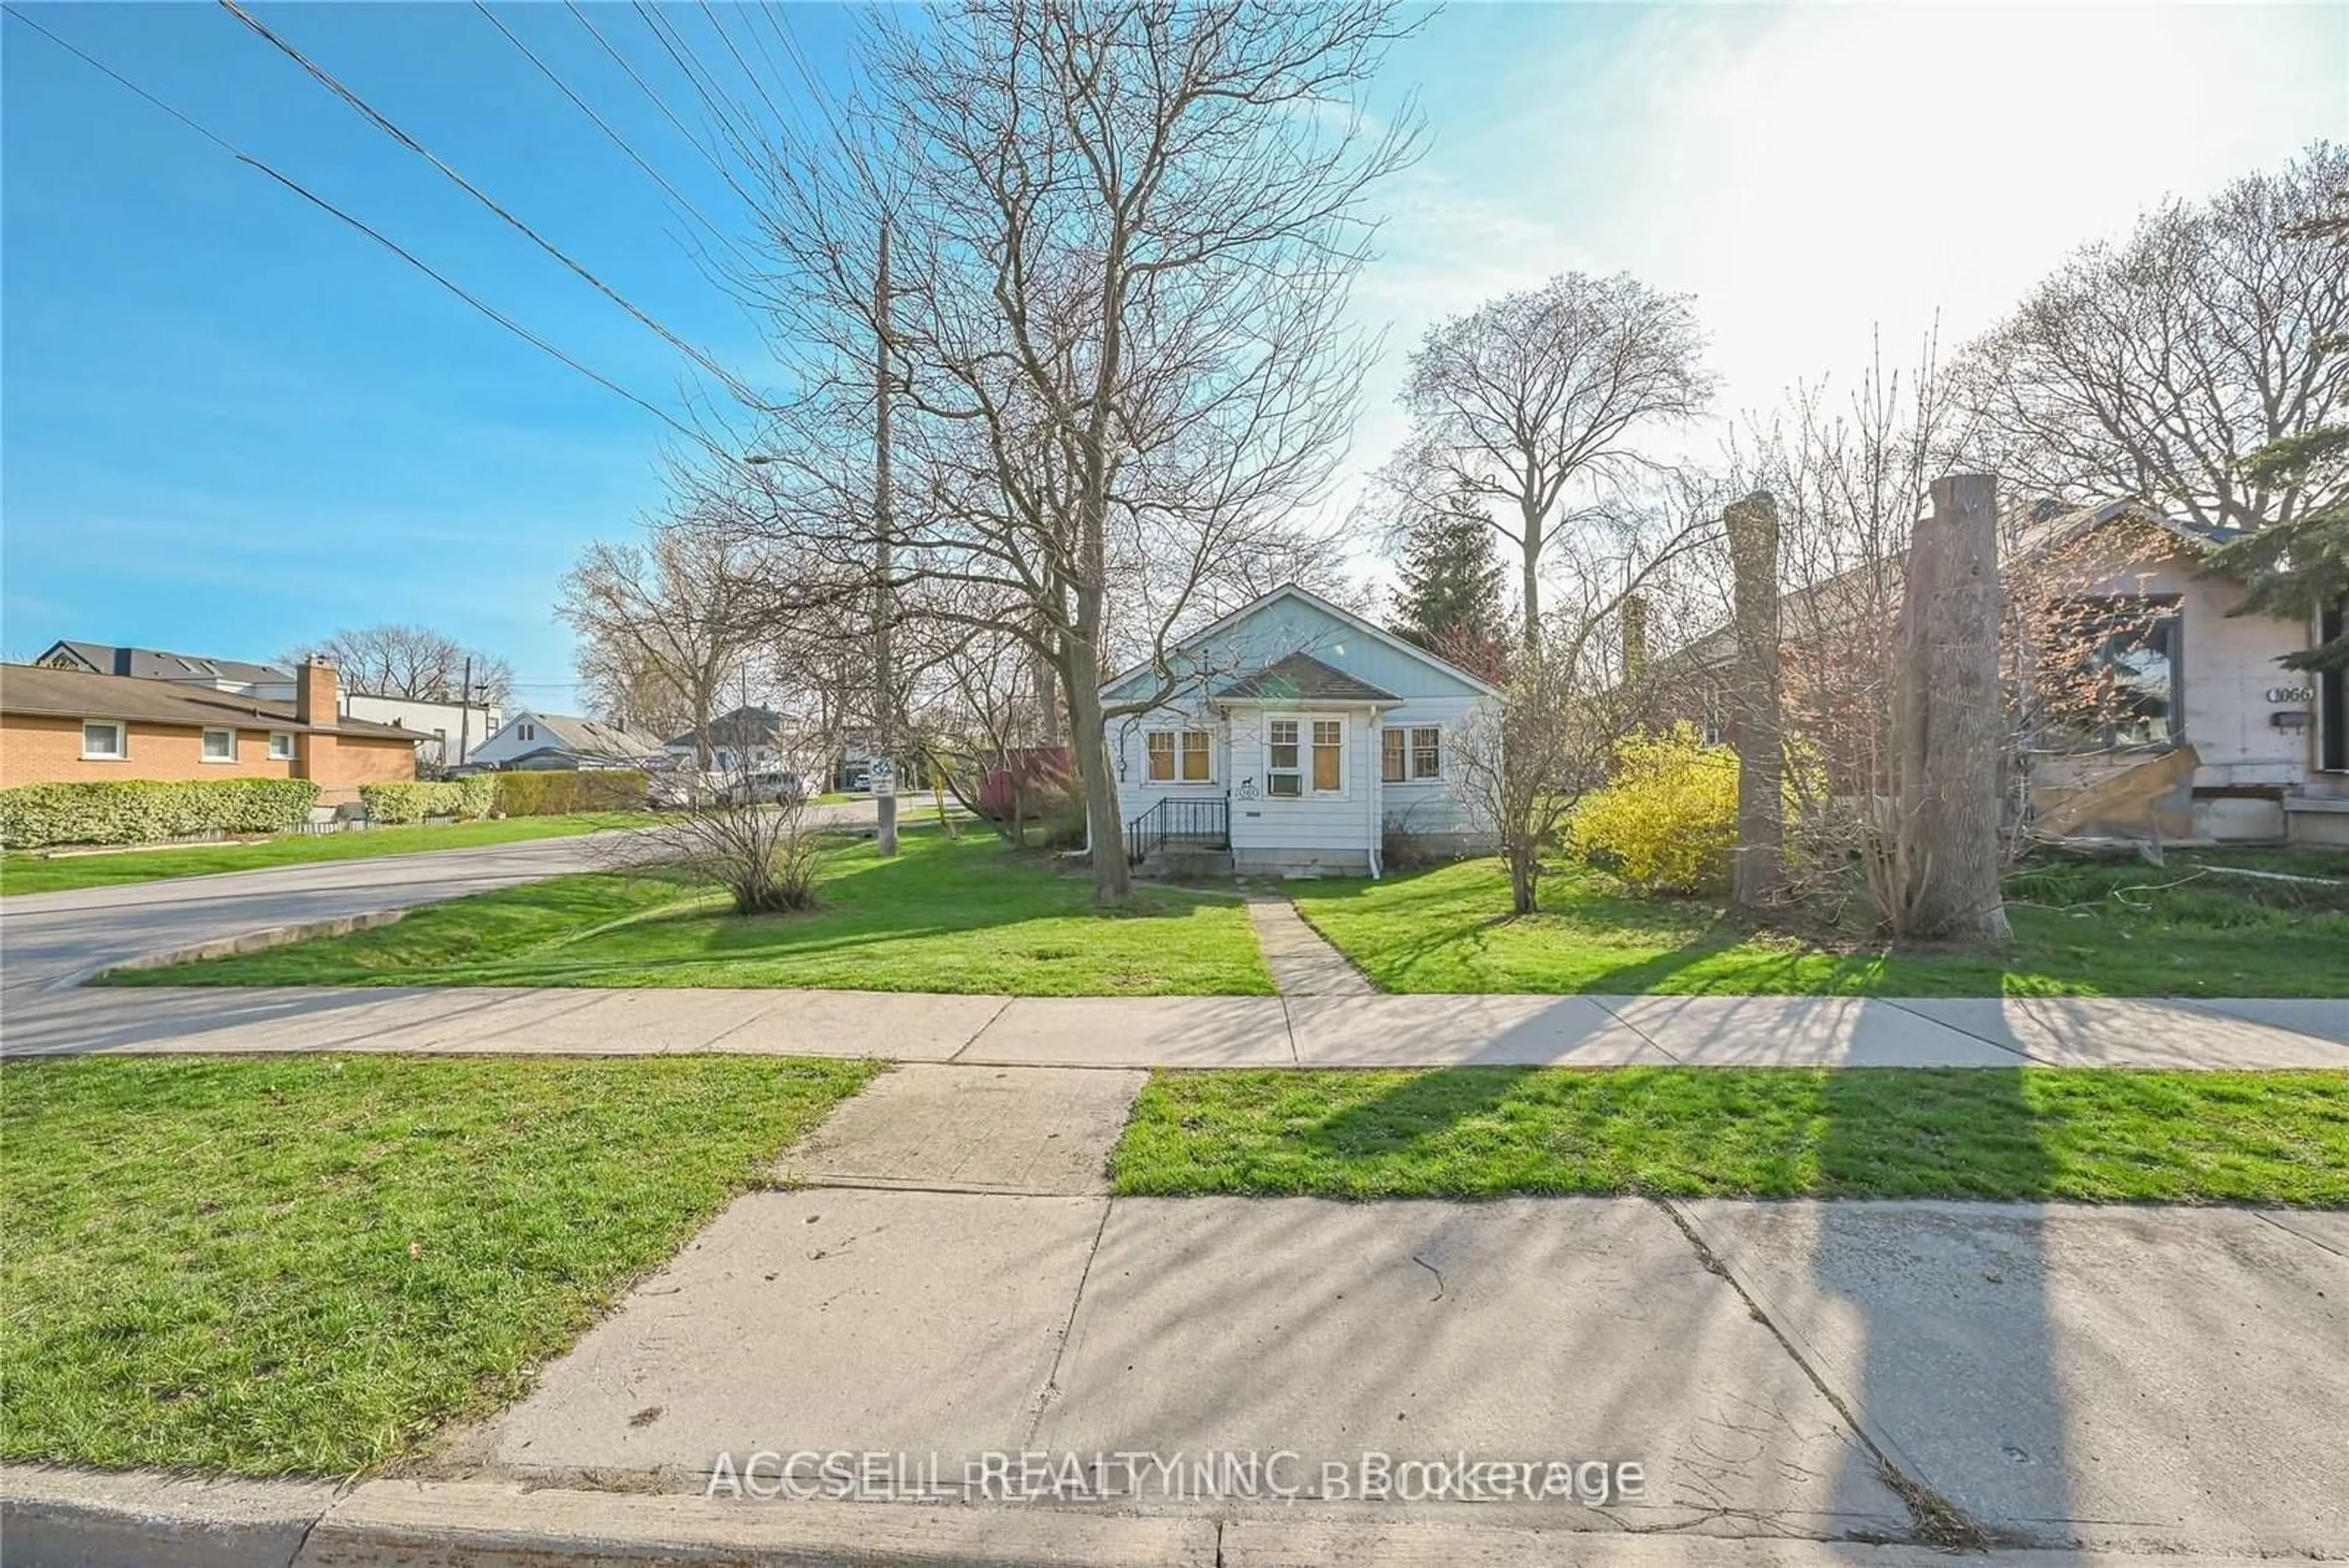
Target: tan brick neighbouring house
{"x":69,"y":726}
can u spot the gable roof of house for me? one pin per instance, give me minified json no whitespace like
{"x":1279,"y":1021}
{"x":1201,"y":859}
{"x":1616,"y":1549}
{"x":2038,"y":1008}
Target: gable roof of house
{"x":1338,"y":612}
{"x":1836,"y":599}
{"x":155,"y":664}
{"x":1300,"y":676}
{"x":756,"y":725}
{"x":585,"y":737}
{"x":49,"y":693}
{"x":2065,"y":528}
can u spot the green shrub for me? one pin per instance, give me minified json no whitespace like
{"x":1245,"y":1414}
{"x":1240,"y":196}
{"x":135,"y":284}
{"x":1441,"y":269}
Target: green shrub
{"x":560,"y":793}
{"x":1668,"y":819}
{"x":147,"y":810}
{"x":410,"y":800}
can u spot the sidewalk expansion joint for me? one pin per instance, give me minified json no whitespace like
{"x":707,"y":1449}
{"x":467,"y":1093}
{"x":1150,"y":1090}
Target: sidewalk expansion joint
{"x":2316,"y":1242}
{"x":1934,"y":1519}
{"x":1653,"y":1043}
{"x":823,"y":1183}
{"x":956,"y":1056}
{"x":2015,"y":1051}
{"x":1050,"y":1394}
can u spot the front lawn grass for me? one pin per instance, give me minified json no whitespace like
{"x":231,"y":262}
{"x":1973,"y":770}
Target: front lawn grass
{"x":945,"y":915}
{"x":2029,"y":1134}
{"x":45,"y":874}
{"x":308,"y":1264}
{"x":2081,"y":927}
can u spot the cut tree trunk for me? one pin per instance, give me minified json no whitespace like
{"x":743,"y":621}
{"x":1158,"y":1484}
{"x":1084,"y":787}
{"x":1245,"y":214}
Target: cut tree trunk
{"x":1950,"y":718}
{"x":1758,"y":864}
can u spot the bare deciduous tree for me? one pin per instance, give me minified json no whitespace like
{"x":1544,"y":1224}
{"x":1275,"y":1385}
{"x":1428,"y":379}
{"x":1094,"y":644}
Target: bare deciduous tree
{"x":1123,"y":242}
{"x":667,"y":627}
{"x":1531,"y":403}
{"x":2153,"y":368}
{"x":1529,"y":758}
{"x":392,"y":659}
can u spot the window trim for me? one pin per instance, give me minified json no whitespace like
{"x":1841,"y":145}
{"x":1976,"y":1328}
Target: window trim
{"x":1313,"y":746}
{"x":203,"y":747}
{"x":1303,"y":770}
{"x":286,"y":755}
{"x":121,"y":753}
{"x":1175,"y":735}
{"x":1296,"y":768}
{"x":1435,"y":772}
{"x":2165,"y":611}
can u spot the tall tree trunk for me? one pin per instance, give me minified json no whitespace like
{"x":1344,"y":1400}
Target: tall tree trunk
{"x":1951,"y":716}
{"x":1104,"y":830}
{"x":1757,"y":865}
{"x":1530,"y":537}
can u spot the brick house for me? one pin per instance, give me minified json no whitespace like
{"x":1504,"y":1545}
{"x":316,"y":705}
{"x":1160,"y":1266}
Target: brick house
{"x":72,"y":726}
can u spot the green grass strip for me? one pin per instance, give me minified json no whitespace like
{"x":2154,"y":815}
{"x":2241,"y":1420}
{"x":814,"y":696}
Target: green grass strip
{"x":310,"y":1264}
{"x":2026,"y":1134}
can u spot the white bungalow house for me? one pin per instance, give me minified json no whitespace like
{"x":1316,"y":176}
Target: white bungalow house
{"x":1296,"y":736}
{"x":534,"y":741}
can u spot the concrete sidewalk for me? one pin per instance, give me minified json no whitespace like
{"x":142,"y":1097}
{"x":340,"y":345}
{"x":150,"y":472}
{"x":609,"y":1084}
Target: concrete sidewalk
{"x":956,"y":1283}
{"x":954,"y":1345}
{"x":2056,"y":1376}
{"x":1313,"y":1031}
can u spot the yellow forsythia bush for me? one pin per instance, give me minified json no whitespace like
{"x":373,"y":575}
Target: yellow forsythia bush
{"x":1668,"y":819}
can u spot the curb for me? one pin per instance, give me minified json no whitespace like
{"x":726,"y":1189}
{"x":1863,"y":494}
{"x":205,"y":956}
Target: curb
{"x":78,"y":1519}
{"x":69,"y":1519}
{"x":247,"y":942}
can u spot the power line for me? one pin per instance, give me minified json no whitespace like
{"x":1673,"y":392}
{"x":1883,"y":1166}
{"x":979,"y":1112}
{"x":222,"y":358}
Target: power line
{"x":722,"y":109}
{"x":250,"y":161}
{"x":728,"y":39}
{"x":601,"y":124}
{"x":327,"y":78}
{"x":657,"y":101}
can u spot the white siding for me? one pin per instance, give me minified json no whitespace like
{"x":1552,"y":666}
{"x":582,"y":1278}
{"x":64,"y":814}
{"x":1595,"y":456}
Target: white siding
{"x":1324,"y":834}
{"x":1433,"y":805}
{"x":1127,"y":746}
{"x":1332,"y":833}
{"x":2228,"y":664}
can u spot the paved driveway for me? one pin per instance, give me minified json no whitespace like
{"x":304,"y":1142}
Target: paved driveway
{"x":49,"y":939}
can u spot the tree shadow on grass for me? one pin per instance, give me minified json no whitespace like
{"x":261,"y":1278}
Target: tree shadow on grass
{"x":1929,"y":1323}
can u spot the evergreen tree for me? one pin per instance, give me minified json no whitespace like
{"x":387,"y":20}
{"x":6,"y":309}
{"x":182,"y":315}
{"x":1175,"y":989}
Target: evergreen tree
{"x":1449,"y":598}
{"x":2298,"y":568}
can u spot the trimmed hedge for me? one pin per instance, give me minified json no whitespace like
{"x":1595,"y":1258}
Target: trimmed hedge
{"x":147,"y":810}
{"x":414,"y":801}
{"x":560,"y":793}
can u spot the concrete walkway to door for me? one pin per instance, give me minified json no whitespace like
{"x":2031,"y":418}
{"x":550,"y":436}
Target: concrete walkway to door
{"x":1302,"y":961}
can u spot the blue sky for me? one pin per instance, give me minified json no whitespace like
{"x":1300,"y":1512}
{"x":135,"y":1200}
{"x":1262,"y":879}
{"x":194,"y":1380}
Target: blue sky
{"x":228,"y":423}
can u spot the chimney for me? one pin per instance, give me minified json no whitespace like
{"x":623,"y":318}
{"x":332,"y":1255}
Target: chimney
{"x":316,"y":699}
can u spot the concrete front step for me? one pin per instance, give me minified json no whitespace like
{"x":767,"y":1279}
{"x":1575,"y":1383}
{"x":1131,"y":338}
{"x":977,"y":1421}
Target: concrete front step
{"x":1183,"y":864}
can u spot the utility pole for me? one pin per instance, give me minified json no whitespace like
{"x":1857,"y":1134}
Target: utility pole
{"x":884,"y":707}
{"x":465,"y":714}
